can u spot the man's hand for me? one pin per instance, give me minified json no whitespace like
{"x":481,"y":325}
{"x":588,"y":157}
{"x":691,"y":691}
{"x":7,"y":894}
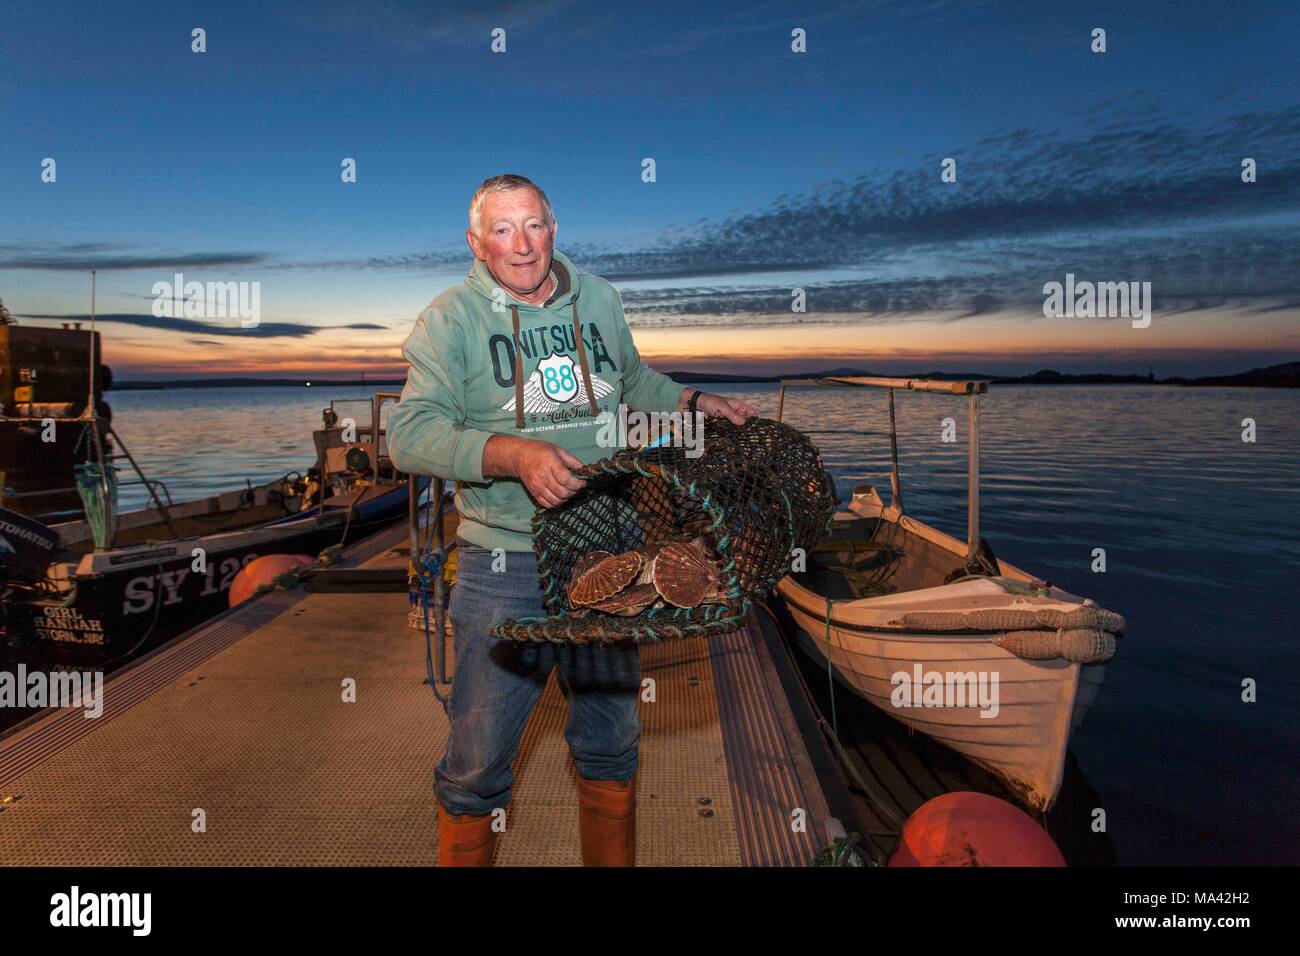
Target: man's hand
{"x":546,"y":470}
{"x":718,"y":406}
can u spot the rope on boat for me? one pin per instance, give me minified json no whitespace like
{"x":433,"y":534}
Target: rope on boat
{"x":1087,"y":616}
{"x":327,"y":557}
{"x":293,"y":577}
{"x":1084,"y":635}
{"x":1082,"y":646}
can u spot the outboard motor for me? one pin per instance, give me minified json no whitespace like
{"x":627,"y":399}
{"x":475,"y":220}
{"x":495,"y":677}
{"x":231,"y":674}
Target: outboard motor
{"x":26,"y":548}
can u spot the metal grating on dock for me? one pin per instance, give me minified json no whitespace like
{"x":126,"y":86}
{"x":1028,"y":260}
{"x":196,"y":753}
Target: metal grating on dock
{"x":244,"y":720}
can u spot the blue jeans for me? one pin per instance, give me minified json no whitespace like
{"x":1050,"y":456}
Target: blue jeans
{"x":496,"y":683}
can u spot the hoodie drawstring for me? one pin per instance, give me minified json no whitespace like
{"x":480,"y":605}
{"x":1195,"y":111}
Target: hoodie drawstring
{"x":519,"y":365}
{"x":582,"y":359}
{"x":519,"y":370}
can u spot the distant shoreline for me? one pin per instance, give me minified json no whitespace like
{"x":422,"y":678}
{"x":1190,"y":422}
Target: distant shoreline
{"x":1274,"y":376}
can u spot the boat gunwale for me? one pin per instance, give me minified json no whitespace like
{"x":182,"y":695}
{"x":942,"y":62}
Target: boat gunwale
{"x":867,"y":505}
{"x":97,"y":562}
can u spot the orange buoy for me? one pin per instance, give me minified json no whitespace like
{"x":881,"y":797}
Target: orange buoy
{"x":973,"y":829}
{"x":264,"y":570}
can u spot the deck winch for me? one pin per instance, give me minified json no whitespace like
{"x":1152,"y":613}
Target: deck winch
{"x":755,"y":500}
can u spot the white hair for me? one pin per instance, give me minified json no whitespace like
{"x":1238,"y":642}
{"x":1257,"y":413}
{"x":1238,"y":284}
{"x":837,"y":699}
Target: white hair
{"x":500,"y":184}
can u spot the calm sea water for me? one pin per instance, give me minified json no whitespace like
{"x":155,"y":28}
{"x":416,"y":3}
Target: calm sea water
{"x":1201,"y":533}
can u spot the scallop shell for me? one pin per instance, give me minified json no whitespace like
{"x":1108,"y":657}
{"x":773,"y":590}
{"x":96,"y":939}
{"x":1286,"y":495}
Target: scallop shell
{"x":683,"y":574}
{"x":584,"y":564}
{"x":629,"y":601}
{"x":605,"y":578}
{"x":652,"y":548}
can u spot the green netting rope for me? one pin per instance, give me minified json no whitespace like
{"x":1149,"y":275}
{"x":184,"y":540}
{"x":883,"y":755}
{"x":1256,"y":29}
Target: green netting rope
{"x":844,"y":851}
{"x":97,"y":488}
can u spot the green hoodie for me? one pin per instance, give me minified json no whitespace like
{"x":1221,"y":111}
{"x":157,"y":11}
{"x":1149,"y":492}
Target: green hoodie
{"x":466,"y":381}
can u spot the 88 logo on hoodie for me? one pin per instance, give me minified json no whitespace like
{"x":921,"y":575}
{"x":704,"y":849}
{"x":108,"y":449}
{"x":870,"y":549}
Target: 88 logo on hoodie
{"x":558,"y":379}
{"x":556,"y":383}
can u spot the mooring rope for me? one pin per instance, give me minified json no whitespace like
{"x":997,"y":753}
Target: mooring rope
{"x":432,"y":563}
{"x":845,"y":851}
{"x":830,"y":671}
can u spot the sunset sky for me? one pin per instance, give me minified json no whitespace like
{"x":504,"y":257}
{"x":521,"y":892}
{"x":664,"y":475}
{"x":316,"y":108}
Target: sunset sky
{"x":775,"y":170}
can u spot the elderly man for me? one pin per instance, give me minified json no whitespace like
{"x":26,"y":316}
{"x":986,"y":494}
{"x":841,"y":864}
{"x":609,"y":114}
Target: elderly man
{"x":512,"y":374}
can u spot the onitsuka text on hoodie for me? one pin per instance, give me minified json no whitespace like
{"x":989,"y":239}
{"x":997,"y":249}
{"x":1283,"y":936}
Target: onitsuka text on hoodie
{"x":460,"y":389}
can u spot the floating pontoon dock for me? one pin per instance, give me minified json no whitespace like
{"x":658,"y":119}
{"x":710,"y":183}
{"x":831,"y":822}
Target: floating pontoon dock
{"x":241,"y":725}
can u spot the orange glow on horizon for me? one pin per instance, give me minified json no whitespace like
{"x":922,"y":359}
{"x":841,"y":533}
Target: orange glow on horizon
{"x":819,"y":342}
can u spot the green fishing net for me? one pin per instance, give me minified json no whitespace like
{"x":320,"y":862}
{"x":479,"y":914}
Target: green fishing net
{"x":97,"y":487}
{"x":758,"y":492}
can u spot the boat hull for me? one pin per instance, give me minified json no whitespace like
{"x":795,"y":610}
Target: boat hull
{"x":129,"y":600}
{"x":1038,"y":703}
{"x":960,"y":635}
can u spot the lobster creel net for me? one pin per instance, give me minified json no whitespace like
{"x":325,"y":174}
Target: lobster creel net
{"x":756,"y":494}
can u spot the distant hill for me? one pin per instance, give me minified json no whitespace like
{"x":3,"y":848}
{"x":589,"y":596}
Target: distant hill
{"x":1049,"y":376}
{"x":1286,"y":375}
{"x":722,"y":378}
{"x":691,"y":378}
{"x":695,"y":378}
{"x":256,"y":383}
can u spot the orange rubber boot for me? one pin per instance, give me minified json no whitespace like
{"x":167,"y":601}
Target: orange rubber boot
{"x":465,"y":840}
{"x":607,"y":821}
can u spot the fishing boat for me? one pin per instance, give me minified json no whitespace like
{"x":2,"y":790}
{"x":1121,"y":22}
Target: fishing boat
{"x":102,"y":587}
{"x":942,"y":635}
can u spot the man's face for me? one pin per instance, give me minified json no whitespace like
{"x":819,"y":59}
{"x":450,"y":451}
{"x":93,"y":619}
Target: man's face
{"x":515,"y":239}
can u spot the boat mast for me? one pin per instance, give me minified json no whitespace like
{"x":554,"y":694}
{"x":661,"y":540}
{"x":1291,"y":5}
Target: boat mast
{"x":90,"y":396}
{"x":971,"y":388}
{"x":91,"y":417}
{"x":895,"y":485}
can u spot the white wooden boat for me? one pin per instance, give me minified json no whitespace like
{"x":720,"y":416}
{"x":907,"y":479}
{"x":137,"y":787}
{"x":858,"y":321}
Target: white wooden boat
{"x":979,"y":655}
